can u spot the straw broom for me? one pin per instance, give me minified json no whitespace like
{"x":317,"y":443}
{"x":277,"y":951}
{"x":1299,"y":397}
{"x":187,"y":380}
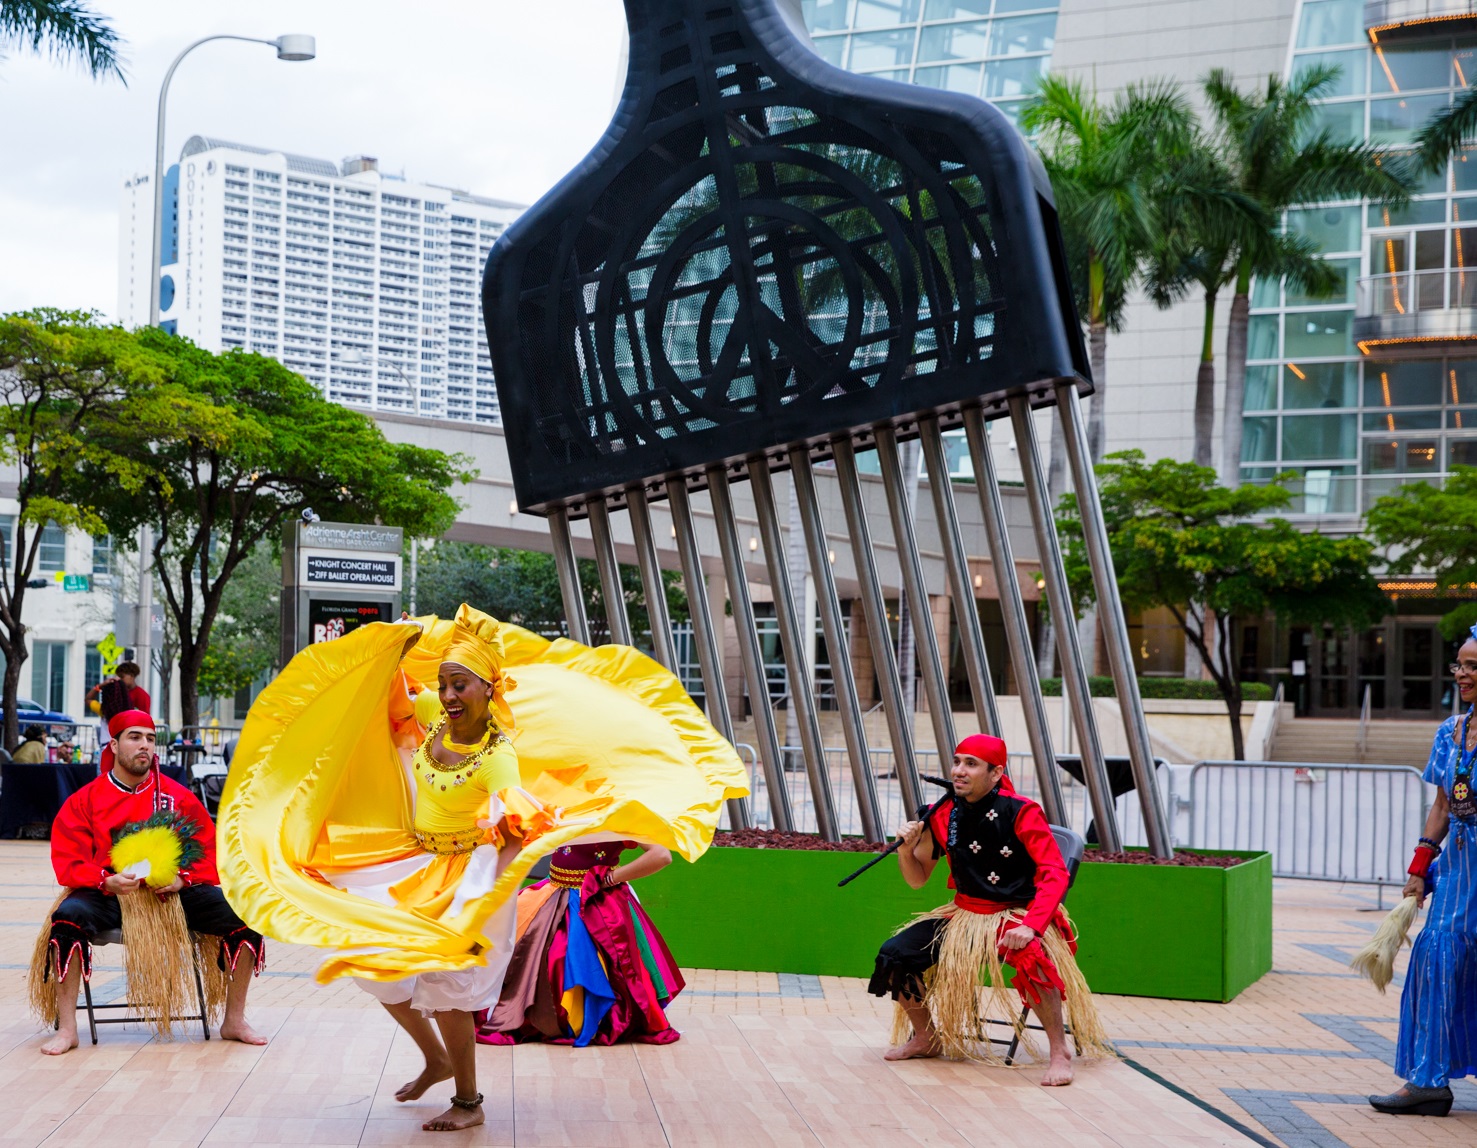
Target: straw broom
{"x":1377,"y":959}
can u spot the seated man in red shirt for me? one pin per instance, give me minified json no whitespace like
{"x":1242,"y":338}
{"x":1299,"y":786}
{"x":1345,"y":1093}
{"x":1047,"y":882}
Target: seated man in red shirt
{"x":1009,"y":881}
{"x":81,"y":848}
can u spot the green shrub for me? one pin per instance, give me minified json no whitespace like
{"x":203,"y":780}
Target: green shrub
{"x":1192,"y":689}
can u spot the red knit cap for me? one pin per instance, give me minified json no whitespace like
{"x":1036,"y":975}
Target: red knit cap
{"x":128,"y":719}
{"x":983,"y":746}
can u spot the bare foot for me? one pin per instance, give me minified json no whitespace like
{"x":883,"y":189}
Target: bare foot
{"x":62,"y":1042}
{"x":920,"y":1047}
{"x":240,"y":1030}
{"x":454,"y":1118}
{"x":433,"y":1073}
{"x":1059,"y":1071}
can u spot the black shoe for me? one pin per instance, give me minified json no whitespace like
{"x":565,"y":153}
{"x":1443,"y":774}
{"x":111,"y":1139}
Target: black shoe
{"x":1413,"y":1101}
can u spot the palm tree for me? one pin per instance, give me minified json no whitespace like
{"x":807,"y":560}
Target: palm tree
{"x":1278,"y":162}
{"x":62,"y":29}
{"x":1105,"y":161}
{"x":1448,"y":131}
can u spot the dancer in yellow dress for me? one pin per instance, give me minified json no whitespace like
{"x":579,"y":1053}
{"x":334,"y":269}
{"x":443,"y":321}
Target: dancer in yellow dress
{"x":357,"y":820}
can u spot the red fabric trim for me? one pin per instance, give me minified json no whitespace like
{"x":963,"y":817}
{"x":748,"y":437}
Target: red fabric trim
{"x":258,"y":954}
{"x":63,"y":965}
{"x":1420,"y":864}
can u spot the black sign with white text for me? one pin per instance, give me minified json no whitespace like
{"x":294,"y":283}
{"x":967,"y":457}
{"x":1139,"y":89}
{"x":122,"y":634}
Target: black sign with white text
{"x":322,"y":570}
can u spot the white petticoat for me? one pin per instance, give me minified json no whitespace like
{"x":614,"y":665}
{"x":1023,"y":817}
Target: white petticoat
{"x":466,"y":990}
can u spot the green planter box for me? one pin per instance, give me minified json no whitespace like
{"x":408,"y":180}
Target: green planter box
{"x":1162,"y":931}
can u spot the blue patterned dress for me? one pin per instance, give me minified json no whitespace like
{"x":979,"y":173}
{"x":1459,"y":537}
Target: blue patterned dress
{"x":1438,"y":1007}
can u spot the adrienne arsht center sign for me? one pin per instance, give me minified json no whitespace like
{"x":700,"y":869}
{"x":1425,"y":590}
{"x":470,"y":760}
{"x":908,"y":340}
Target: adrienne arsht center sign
{"x":337,"y":576}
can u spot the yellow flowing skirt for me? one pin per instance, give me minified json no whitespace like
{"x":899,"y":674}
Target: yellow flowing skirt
{"x":606,"y":737}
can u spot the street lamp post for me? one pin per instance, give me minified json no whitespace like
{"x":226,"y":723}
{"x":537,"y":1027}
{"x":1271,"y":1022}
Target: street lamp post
{"x":358,"y":358}
{"x":293,"y":48}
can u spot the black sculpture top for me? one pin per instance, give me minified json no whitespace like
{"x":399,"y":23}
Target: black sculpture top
{"x":762,"y":250}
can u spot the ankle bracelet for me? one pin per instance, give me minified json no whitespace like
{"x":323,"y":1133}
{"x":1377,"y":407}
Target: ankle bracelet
{"x":469,"y":1105}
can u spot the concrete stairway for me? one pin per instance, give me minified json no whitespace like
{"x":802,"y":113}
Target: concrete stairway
{"x":1336,"y":740}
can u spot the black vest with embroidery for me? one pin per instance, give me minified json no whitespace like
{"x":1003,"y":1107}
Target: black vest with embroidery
{"x":986,"y":857}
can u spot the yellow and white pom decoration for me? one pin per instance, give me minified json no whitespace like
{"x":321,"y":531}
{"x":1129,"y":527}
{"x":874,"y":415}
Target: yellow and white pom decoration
{"x":1377,"y":959}
{"x":156,"y":849}
{"x":428,"y":709}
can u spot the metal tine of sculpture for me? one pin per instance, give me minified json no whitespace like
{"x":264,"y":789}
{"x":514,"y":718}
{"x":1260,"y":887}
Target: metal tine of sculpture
{"x":828,"y":607}
{"x":793,"y":645}
{"x":765,"y":254}
{"x":653,"y":589}
{"x":612,"y":594}
{"x":961,"y":588}
{"x":1013,"y":613}
{"x":1075,"y":688}
{"x":566,"y":567}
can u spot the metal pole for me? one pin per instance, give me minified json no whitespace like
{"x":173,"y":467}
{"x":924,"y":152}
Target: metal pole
{"x":793,"y":641}
{"x":704,"y":631}
{"x":569,"y":576}
{"x":750,"y":652}
{"x":935,"y":684}
{"x":1059,"y":598}
{"x":961,"y":588}
{"x":1114,"y":624}
{"x":611,"y":591}
{"x":828,"y":604}
{"x":652,"y":585}
{"x":1013,"y":612}
{"x":874,"y":609}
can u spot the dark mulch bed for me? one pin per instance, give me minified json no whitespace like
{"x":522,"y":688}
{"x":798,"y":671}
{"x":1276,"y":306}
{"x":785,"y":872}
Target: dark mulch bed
{"x":1181,"y":857}
{"x":774,"y":839}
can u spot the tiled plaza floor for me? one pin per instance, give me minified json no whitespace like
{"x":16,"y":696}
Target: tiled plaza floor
{"x":764,"y":1060}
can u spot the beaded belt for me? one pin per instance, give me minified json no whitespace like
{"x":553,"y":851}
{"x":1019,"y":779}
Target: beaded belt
{"x":567,"y":878}
{"x":448,"y":843}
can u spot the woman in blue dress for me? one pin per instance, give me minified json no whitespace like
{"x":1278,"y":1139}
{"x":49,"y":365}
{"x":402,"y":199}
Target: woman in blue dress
{"x":1438,"y":1006}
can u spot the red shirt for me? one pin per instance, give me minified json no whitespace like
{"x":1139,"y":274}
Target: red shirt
{"x":138,"y":698}
{"x":81,"y":835}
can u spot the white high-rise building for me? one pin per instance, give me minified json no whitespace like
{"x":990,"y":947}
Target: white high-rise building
{"x":367,"y":284}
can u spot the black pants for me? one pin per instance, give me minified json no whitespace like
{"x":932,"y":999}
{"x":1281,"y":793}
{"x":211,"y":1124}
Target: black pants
{"x":905,"y":957}
{"x":85,"y":913}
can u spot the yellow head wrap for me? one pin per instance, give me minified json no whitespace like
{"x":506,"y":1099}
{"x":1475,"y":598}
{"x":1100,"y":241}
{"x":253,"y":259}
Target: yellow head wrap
{"x":477,"y":645}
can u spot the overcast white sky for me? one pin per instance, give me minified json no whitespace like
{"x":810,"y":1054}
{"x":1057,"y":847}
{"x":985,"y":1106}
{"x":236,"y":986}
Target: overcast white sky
{"x":500,"y":97}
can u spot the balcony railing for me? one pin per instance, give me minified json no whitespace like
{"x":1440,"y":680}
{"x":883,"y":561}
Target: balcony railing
{"x":1411,"y":292}
{"x":1381,"y":14}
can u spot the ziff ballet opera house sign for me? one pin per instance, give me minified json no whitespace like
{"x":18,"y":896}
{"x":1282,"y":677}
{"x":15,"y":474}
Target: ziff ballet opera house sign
{"x":767,"y":262}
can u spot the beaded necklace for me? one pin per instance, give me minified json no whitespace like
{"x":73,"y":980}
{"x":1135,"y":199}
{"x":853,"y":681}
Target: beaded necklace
{"x":464,"y":770}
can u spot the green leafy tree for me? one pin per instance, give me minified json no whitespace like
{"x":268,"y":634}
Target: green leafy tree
{"x":1278,"y":162}
{"x":64,"y":30}
{"x":65,"y":383}
{"x":1426,"y":528}
{"x":522,"y":587}
{"x":1106,"y":162}
{"x":245,"y":641}
{"x":1449,"y":130}
{"x":262,"y":446}
{"x":1202,"y":551}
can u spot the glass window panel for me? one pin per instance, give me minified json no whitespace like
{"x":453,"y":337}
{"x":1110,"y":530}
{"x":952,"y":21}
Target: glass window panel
{"x":1350,"y":65}
{"x":52,"y":556}
{"x":1410,"y":67}
{"x":1464,"y":247}
{"x":1022,"y":34}
{"x":1461,"y":381}
{"x":1318,"y":436}
{"x":825,"y":15}
{"x":1399,"y":455}
{"x":954,"y":41}
{"x":953,"y":9}
{"x":1342,"y":122}
{"x":1389,"y":254}
{"x":1403,"y":421}
{"x":886,"y":13}
{"x":1261,"y":389}
{"x":1265,"y":292}
{"x":1328,"y":22}
{"x":102,"y":554}
{"x":1259,"y":439}
{"x":1012,"y":110}
{"x":1348,"y":272}
{"x":1462,"y":418}
{"x":831,"y":49}
{"x":954,"y":77}
{"x":1461,"y":452}
{"x":1258,"y":475}
{"x":1396,"y":119}
{"x":1464,"y":210}
{"x":882,"y":49}
{"x":1005,"y":78}
{"x":898,"y":74}
{"x":1402,"y":384}
{"x":1464,"y":170}
{"x":1307,"y":386}
{"x":1004,"y":6}
{"x":1334,"y":229}
{"x":1262,"y":337}
{"x":1319,"y":334}
{"x":1415,"y":212}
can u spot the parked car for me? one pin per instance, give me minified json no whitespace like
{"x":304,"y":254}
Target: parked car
{"x":31,"y":713}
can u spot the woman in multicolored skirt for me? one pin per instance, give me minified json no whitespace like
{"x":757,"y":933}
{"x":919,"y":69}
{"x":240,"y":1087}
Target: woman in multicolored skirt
{"x":1438,"y":1006}
{"x":589,"y":966}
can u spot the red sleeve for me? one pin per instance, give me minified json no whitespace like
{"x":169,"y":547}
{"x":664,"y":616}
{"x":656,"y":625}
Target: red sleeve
{"x":73,"y":850}
{"x":1051,"y":870}
{"x":140,"y":699}
{"x":203,"y":872}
